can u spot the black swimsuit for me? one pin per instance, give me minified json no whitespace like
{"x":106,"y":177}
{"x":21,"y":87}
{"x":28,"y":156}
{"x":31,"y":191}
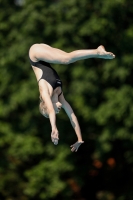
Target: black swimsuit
{"x":49,"y":74}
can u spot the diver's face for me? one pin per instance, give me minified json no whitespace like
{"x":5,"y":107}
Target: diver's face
{"x":57,"y":107}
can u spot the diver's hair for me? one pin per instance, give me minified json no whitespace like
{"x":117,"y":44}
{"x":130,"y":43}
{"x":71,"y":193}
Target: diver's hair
{"x":43,"y":108}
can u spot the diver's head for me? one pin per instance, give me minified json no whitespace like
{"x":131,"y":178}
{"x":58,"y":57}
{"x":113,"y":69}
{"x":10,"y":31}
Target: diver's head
{"x":44,"y":111}
{"x":57,"y":107}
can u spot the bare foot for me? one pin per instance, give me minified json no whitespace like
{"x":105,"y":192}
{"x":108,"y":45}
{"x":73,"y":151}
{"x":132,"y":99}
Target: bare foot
{"x":102,"y":53}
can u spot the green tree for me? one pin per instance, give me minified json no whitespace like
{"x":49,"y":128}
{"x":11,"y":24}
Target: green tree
{"x":99,"y":90}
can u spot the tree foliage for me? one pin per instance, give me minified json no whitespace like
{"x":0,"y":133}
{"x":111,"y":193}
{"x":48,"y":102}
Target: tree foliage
{"x":100,"y":92}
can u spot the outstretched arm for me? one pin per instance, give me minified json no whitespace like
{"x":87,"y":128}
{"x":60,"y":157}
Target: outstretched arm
{"x":74,"y":122}
{"x":50,"y":111}
{"x":53,"y":55}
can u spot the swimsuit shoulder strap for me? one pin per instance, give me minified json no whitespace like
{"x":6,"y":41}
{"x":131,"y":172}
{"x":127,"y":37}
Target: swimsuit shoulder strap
{"x":60,"y":94}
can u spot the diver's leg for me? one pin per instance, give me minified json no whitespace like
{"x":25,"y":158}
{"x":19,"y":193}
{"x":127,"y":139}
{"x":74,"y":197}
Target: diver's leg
{"x":57,"y":56}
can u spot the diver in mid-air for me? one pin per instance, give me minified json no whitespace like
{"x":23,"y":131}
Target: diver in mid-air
{"x":50,"y":86}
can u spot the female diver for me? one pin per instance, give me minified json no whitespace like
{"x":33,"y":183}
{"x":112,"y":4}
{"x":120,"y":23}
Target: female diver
{"x":50,"y":85}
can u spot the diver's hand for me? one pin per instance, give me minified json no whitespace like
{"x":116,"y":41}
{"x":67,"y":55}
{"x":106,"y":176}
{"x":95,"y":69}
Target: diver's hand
{"x":75,"y":146}
{"x":55,"y":136}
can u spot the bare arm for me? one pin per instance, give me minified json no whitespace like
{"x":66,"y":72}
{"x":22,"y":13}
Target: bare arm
{"x":57,"y":56}
{"x":51,"y":112}
{"x":74,"y":122}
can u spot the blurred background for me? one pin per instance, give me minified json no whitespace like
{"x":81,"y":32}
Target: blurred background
{"x":100,"y":92}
